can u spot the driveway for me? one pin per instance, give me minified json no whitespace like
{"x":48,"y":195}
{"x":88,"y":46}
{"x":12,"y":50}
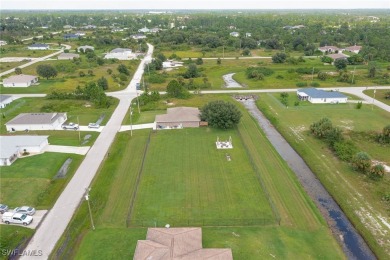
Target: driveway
{"x":137,"y":127}
{"x":83,"y":150}
{"x":37,"y":219}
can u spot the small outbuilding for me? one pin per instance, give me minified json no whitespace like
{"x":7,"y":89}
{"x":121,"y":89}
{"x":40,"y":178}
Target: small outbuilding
{"x":178,"y":117}
{"x":318,"y":96}
{"x":120,"y":54}
{"x":177,"y":243}
{"x":36,"y":121}
{"x":20,"y":81}
{"x":38,"y":46}
{"x":13,"y":147}
{"x":5,"y":100}
{"x":68,"y":56}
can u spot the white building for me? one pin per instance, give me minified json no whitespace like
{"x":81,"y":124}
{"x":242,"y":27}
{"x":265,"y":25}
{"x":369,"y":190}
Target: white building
{"x":120,"y":54}
{"x":138,"y":36}
{"x":84,"y":48}
{"x":144,"y":30}
{"x":5,"y":100}
{"x":355,"y":49}
{"x":68,"y":56}
{"x":329,"y":49}
{"x":20,"y":81}
{"x":318,"y":96}
{"x":38,"y":46}
{"x":235,"y":34}
{"x":2,"y":43}
{"x":36,"y":121}
{"x":172,"y":64}
{"x":13,"y":147}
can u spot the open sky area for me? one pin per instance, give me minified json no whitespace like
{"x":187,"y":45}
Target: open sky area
{"x":192,"y":4}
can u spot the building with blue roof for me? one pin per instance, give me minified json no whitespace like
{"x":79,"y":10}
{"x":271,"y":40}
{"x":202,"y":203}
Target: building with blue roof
{"x":318,"y":96}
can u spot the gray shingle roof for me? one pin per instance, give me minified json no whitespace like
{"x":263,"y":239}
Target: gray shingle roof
{"x":10,"y":144}
{"x":119,"y":50}
{"x":318,"y":93}
{"x":35,"y":118}
{"x":19,"y":79}
{"x":180,"y":114}
{"x":4,"y":97}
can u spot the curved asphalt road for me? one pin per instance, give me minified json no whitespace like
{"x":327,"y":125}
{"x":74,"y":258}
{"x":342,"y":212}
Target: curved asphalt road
{"x":60,"y":215}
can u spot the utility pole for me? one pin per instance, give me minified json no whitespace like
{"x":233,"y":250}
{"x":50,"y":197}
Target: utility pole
{"x":223,"y":52}
{"x":139,"y":111}
{"x":78,"y":122}
{"x":312,"y":75}
{"x":87,"y":190}
{"x":372,"y":107}
{"x":353,"y":75}
{"x":131,"y":121}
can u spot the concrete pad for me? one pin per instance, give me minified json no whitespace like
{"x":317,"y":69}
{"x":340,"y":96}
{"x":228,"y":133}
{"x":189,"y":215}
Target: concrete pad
{"x":137,"y":127}
{"x":16,"y":59}
{"x":86,"y":128}
{"x":83,"y":150}
{"x":37,"y":218}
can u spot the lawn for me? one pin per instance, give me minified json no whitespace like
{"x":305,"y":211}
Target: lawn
{"x":22,"y":51}
{"x":379,"y":95}
{"x":11,"y":237}
{"x":360,"y":197}
{"x":4,"y":66}
{"x":185,"y":177}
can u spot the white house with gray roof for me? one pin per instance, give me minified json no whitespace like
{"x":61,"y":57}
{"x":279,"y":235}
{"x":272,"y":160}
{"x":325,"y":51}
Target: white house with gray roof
{"x":120,"y":54}
{"x":36,"y":121}
{"x":5,"y":100}
{"x":318,"y":96}
{"x":68,"y":56}
{"x":13,"y":147}
{"x":20,"y":81}
{"x":38,"y":46}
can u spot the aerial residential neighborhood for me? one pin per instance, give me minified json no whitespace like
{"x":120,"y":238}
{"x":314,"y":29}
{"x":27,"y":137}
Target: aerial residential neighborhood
{"x":194,"y":131}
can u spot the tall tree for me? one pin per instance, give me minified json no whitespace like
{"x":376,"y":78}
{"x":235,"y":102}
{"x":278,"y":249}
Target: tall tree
{"x":46,"y":71}
{"x":221,"y":114}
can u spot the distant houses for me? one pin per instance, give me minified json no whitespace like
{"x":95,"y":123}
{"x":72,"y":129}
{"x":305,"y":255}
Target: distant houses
{"x":36,"y":121}
{"x":71,"y":36}
{"x":38,"y":46}
{"x":318,"y":96}
{"x":20,"y":81}
{"x":120,"y":54}
{"x":235,"y":34}
{"x":138,"y":36}
{"x":333,"y":49}
{"x":355,"y":49}
{"x":84,"y":48}
{"x":146,"y":30}
{"x":68,"y":56}
{"x":5,"y":100}
{"x":14,"y":147}
{"x":338,"y":56}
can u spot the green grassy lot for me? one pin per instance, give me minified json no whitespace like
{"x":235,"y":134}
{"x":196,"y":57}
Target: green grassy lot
{"x":181,"y":184}
{"x":68,"y":77}
{"x":22,"y":51}
{"x":359,"y":196}
{"x":379,"y":95}
{"x":78,"y":111}
{"x":11,"y":237}
{"x":4,"y":66}
{"x":281,"y":78}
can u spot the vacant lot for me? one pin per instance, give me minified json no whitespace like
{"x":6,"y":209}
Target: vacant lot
{"x":361,"y":198}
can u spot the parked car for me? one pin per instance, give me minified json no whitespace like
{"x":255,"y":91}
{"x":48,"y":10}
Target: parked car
{"x":3,"y":208}
{"x":70,"y":126}
{"x":93,"y":125}
{"x":16,"y":218}
{"x":25,"y":210}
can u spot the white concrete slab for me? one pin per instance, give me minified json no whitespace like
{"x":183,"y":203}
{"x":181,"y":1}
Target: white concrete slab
{"x":137,"y":127}
{"x":83,"y":150}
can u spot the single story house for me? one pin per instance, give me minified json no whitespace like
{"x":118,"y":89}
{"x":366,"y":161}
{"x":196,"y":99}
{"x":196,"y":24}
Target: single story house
{"x":144,"y":30}
{"x":235,"y":34}
{"x":330,"y":49}
{"x":5,"y":100}
{"x":20,"y":81}
{"x":36,"y":121}
{"x":89,"y":27}
{"x":177,"y":243}
{"x":2,"y":43}
{"x":120,"y":54}
{"x":71,"y":36}
{"x":68,"y":56}
{"x":178,"y":117}
{"x":138,"y":36}
{"x":38,"y":46}
{"x":172,"y":64}
{"x":248,"y":35}
{"x":13,"y":147}
{"x":154,"y":30}
{"x":80,"y":34}
{"x":355,"y":49}
{"x":84,"y":48}
{"x":317,"y":96}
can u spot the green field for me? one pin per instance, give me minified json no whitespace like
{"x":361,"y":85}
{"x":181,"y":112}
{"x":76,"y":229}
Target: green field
{"x":379,"y":95}
{"x":185,"y":180}
{"x":4,"y":66}
{"x":22,"y":51}
{"x":360,"y":197}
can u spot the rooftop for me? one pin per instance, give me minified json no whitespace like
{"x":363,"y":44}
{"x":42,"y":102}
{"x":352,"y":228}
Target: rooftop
{"x":336,"y":56}
{"x":120,"y":50}
{"x":318,"y":93}
{"x":179,"y":114}
{"x":35,"y":118}
{"x":19,"y":78}
{"x":39,"y":45}
{"x":4,"y":97}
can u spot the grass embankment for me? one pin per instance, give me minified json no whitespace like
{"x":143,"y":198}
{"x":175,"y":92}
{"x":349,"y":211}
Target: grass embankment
{"x":12,"y":237}
{"x":205,"y":175}
{"x":379,"y":95}
{"x":360,"y":197}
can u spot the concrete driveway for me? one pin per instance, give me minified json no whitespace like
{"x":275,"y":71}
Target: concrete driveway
{"x":83,"y":150}
{"x":37,"y":219}
{"x":137,"y":127}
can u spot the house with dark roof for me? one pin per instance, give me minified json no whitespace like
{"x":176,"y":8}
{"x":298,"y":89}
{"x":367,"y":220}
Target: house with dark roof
{"x":329,"y":49}
{"x":21,"y":81}
{"x":36,"y":121}
{"x":38,"y":46}
{"x":178,"y":117}
{"x":177,"y":243}
{"x":318,"y":96}
{"x":5,"y":100}
{"x":13,"y":147}
{"x":71,"y":36}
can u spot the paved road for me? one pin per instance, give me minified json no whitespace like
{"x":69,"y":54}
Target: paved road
{"x":36,"y":60}
{"x":60,"y":215}
{"x":358,"y":91}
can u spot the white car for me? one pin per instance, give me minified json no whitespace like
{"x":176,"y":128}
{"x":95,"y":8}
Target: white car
{"x":70,"y":126}
{"x":16,"y":218}
{"x":25,"y":210}
{"x":93,"y":125}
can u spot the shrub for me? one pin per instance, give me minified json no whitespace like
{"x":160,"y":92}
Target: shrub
{"x":315,"y":84}
{"x":359,"y":105}
{"x":308,"y":71}
{"x":279,"y":77}
{"x":258,"y":72}
{"x":221,"y":114}
{"x":361,"y":162}
{"x":301,"y":84}
{"x":377,"y":171}
{"x":344,"y":150}
{"x":322,"y":76}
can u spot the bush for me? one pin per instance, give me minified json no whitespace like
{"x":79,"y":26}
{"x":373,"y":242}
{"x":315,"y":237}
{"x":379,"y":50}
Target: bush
{"x":344,"y":150}
{"x":361,"y":162}
{"x":301,"y":84}
{"x":258,"y":72}
{"x":156,"y":78}
{"x":220,"y":114}
{"x":279,"y":77}
{"x":322,"y":76}
{"x":308,"y":71}
{"x":359,"y":105}
{"x":377,"y":171}
{"x":315,"y":84}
